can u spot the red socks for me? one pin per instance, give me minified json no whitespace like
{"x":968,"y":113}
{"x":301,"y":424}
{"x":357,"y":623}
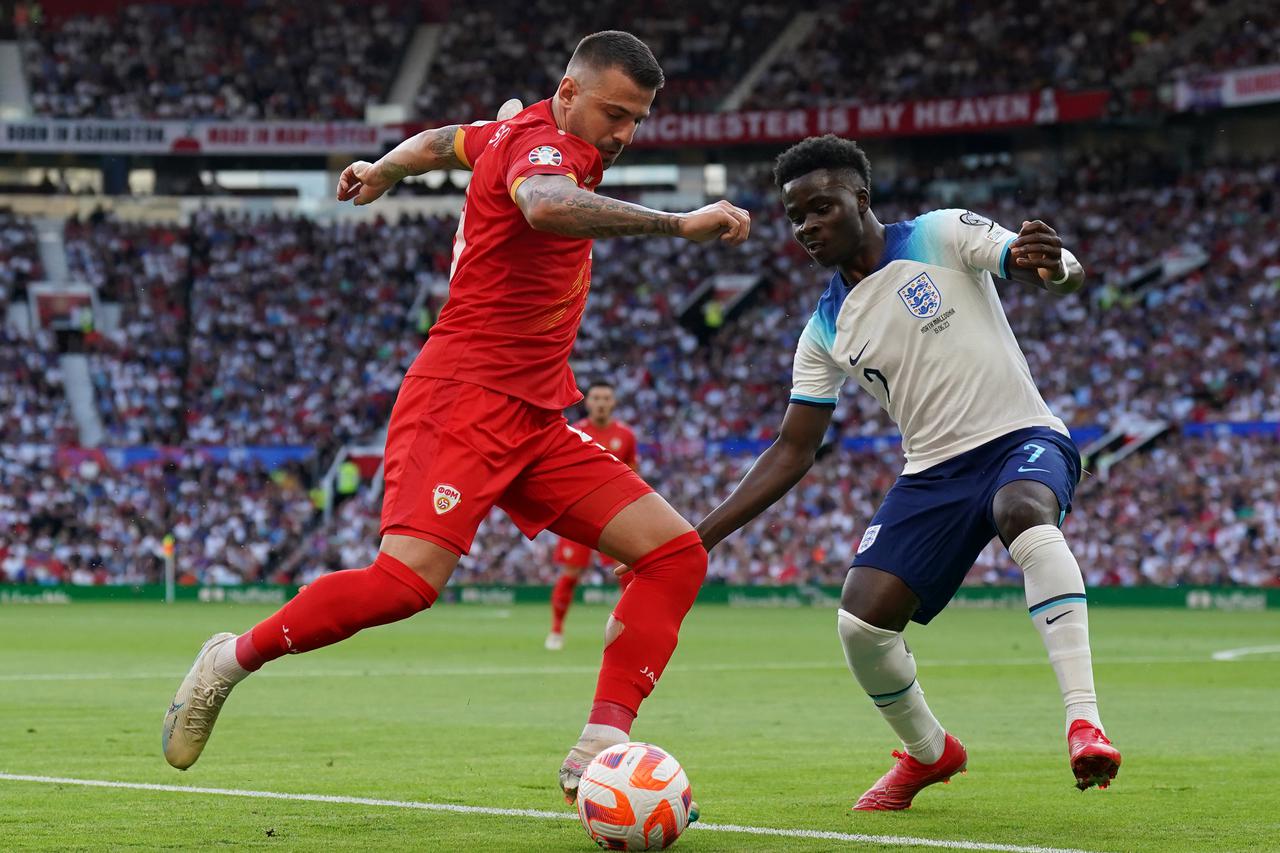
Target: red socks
{"x":666,"y":582}
{"x":561,"y":598}
{"x":334,"y":607}
{"x":611,"y":714}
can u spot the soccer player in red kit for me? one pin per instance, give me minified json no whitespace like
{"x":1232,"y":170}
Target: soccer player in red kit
{"x":573,"y":557}
{"x":479,"y":418}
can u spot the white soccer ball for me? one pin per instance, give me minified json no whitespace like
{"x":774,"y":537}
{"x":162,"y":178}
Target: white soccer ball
{"x":634,"y":796}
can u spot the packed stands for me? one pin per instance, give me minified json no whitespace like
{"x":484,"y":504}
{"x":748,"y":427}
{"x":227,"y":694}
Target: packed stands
{"x":300,"y":335}
{"x":704,"y":46}
{"x":267,"y":59}
{"x":865,"y":52}
{"x":81,"y":521}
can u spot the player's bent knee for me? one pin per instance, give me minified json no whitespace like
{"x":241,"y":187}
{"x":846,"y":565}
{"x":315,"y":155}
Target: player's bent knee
{"x":643,"y":527}
{"x":878,"y":597}
{"x":692,"y":570}
{"x":431,"y":561}
{"x":678,"y":567}
{"x":1022,"y":505}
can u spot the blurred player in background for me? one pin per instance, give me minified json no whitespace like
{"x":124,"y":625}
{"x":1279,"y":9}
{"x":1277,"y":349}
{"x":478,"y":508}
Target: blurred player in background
{"x":479,"y":420}
{"x":573,"y":557}
{"x":911,"y":314}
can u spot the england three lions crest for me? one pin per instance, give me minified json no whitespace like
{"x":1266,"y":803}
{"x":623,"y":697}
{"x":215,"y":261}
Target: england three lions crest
{"x":921,"y":296}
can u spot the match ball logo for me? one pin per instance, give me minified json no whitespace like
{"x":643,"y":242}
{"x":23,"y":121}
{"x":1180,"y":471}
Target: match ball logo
{"x":446,"y":497}
{"x":545,"y":155}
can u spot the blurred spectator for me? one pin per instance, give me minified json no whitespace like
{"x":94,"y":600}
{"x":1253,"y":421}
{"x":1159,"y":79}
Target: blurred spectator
{"x":19,"y":257}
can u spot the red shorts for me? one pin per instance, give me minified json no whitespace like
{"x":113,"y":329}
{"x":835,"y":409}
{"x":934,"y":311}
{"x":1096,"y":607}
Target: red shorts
{"x":455,"y":450}
{"x":573,"y":555}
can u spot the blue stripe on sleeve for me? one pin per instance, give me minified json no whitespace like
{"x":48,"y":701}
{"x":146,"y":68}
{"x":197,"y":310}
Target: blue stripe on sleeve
{"x":805,"y":400}
{"x":1004,"y":257}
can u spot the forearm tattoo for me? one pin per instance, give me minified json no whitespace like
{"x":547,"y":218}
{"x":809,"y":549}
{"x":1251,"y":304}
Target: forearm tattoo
{"x":575,"y":212}
{"x":440,"y":144}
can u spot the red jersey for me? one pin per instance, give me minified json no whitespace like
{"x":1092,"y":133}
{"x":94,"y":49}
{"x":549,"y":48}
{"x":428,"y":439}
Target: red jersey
{"x":516,"y":295}
{"x":616,"y":438}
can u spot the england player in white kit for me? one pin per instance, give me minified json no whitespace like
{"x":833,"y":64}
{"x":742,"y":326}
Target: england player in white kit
{"x":911,"y":314}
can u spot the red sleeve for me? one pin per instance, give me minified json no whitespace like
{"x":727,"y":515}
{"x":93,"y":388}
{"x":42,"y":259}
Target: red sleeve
{"x":547,"y":151}
{"x":471,"y":139}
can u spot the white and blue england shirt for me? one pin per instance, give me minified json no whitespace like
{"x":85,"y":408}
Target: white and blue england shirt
{"x":926,"y":335}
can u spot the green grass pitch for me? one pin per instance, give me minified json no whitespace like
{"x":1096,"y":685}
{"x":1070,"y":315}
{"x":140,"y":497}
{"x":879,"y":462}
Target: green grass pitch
{"x":463,"y":706}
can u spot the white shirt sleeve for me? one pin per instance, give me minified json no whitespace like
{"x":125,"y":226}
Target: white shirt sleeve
{"x":815,"y":379}
{"x":981,"y":243}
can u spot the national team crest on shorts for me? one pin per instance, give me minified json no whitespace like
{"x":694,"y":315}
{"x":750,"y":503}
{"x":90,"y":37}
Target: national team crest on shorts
{"x":446,"y":497}
{"x":545,"y":155}
{"x":869,"y":538}
{"x":921,"y":296}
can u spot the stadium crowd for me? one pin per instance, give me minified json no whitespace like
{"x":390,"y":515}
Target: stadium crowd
{"x":80,"y":520}
{"x":137,"y":368}
{"x":300,"y":333}
{"x":269,"y":59}
{"x":1191,"y":511}
{"x":262,"y":60}
{"x":1095,"y":44}
{"x":704,"y":46}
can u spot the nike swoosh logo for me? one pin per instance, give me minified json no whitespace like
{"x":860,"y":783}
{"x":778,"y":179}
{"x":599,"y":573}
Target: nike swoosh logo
{"x":1056,"y":618}
{"x":1022,"y":470}
{"x":853,"y":362}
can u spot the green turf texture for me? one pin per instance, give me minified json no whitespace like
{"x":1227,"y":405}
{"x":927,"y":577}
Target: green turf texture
{"x":462,"y":705}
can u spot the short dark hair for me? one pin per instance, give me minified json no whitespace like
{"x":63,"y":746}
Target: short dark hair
{"x":821,"y":152}
{"x":600,"y":383}
{"x":616,"y":49}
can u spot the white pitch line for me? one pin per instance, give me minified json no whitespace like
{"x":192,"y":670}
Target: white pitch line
{"x":510,"y":671}
{"x":1236,"y":654}
{"x":888,"y":840}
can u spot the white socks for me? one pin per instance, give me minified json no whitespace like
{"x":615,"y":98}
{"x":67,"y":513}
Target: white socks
{"x":1055,"y":597}
{"x":598,"y":734}
{"x":886,"y":670}
{"x":226,"y":665}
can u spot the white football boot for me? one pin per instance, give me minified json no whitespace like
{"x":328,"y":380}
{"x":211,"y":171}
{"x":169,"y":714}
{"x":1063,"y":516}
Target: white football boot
{"x":195,"y":707}
{"x":555,"y":642}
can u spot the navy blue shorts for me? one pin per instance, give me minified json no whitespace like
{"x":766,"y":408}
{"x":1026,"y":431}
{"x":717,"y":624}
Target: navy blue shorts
{"x":933,"y":525}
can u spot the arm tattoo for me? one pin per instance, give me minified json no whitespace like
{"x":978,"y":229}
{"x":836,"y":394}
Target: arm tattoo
{"x":440,"y":144}
{"x":427,"y":151}
{"x":571,"y":211}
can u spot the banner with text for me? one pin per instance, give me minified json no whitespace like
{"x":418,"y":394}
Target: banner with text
{"x":91,"y":136}
{"x":908,"y":118}
{"x":1245,"y":87}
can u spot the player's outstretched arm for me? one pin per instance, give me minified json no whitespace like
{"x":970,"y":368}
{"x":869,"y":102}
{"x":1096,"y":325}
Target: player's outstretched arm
{"x":777,"y":470}
{"x":428,"y":151}
{"x":1040,"y":259}
{"x":423,"y":152}
{"x":555,"y":203}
